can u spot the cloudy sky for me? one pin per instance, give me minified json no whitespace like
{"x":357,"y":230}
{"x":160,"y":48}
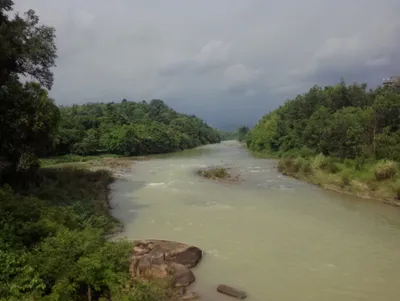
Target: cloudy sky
{"x":227,"y":61}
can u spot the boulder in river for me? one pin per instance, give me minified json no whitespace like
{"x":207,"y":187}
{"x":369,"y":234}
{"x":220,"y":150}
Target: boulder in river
{"x":165,"y":260}
{"x":230,"y":291}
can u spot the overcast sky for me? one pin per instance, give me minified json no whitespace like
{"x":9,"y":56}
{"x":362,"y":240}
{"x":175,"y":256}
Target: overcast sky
{"x":227,"y":61}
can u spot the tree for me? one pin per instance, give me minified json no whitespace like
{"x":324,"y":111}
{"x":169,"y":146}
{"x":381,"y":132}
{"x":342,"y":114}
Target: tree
{"x":28,"y":117}
{"x":242,"y":132}
{"x":26,"y":48}
{"x":346,"y":121}
{"x":28,"y":121}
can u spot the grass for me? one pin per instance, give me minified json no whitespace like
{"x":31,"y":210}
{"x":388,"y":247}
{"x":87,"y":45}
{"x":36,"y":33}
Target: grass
{"x":264,"y":155}
{"x":364,"y":178}
{"x":55,"y":160}
{"x":110,"y":162}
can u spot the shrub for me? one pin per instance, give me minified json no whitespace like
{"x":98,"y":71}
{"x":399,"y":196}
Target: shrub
{"x":215,"y":173}
{"x":396,"y":189}
{"x":306,"y":152}
{"x":319,"y":161}
{"x":325,"y":163}
{"x":345,"y":179}
{"x":385,"y":170}
{"x":348,"y":162}
{"x":332,"y":168}
{"x":306,"y":168}
{"x":286,"y":164}
{"x":292,"y":153}
{"x":52,"y":244}
{"x":299,"y":164}
{"x":359,"y":162}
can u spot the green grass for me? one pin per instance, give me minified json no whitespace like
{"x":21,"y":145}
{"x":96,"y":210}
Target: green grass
{"x":365,"y":178}
{"x":51,"y":161}
{"x":264,"y":155}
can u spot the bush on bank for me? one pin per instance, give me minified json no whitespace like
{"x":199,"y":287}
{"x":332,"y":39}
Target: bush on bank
{"x":373,"y":178}
{"x":52,"y":241}
{"x":344,"y":135}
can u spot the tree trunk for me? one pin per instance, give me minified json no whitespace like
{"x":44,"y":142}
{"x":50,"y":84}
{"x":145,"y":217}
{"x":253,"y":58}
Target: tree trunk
{"x":89,"y":293}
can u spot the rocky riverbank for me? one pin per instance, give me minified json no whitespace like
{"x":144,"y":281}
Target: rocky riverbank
{"x":168,"y":263}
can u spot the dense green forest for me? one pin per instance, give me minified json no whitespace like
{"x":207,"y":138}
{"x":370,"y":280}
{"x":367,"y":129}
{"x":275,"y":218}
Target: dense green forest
{"x":128,"y":128}
{"x":53,"y":222}
{"x":354,"y":131}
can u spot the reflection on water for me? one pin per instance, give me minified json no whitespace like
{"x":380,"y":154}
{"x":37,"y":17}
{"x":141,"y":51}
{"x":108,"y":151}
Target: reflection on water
{"x":273,"y":236}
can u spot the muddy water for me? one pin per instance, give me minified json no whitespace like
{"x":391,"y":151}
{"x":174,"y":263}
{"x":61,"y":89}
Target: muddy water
{"x":275,"y":237}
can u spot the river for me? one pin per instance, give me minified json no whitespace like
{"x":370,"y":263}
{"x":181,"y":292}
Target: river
{"x":272,"y":236}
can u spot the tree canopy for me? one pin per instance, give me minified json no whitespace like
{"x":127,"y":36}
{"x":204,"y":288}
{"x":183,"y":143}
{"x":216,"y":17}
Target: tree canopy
{"x":129,"y":128}
{"x":346,"y":121}
{"x":28,"y":117}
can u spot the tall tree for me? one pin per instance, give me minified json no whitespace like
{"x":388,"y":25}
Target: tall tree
{"x":28,"y":117}
{"x":26,"y":48}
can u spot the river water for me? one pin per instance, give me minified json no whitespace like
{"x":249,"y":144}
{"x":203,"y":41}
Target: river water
{"x":274,"y":237}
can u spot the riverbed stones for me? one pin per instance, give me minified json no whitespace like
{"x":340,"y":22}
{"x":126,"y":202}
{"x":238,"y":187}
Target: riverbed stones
{"x":164,"y":260}
{"x":230,"y":291}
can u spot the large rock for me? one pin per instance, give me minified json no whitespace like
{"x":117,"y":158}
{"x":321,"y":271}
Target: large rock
{"x":165,"y":260}
{"x":230,"y":291}
{"x":170,"y":251}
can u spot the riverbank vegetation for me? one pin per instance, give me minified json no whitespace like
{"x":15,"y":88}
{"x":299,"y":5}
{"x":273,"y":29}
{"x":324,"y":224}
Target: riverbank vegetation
{"x":219,"y":173}
{"x":52,"y":240}
{"x":242,"y":132}
{"x":129,"y":129}
{"x":54,"y":221}
{"x":214,"y":173}
{"x":342,"y":137}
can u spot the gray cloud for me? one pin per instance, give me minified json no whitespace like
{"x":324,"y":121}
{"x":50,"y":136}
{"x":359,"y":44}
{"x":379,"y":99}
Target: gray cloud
{"x":228,"y":61}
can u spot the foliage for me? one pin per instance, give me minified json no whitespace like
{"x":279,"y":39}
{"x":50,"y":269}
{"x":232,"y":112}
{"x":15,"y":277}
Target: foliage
{"x":139,"y":291}
{"x":242,"y":132}
{"x":28,"y":117}
{"x":385,"y":170}
{"x":70,"y":158}
{"x":215,"y":173}
{"x":26,"y":48}
{"x":346,"y":175}
{"x":345,"y":179}
{"x":129,"y":129}
{"x":52,"y":244}
{"x":342,"y":137}
{"x":341,"y":121}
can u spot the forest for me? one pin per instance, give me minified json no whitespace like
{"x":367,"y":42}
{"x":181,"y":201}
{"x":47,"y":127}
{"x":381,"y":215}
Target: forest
{"x":54,"y":221}
{"x":347,"y":131}
{"x":129,"y":129}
